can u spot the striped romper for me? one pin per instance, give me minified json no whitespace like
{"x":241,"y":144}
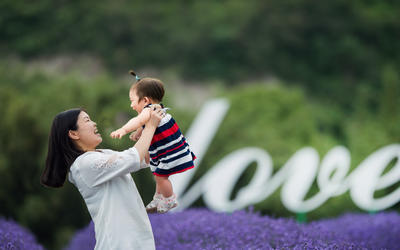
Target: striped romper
{"x":169,"y":151}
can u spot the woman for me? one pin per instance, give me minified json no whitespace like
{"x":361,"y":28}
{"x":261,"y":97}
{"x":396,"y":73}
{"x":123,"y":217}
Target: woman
{"x":102,"y":177}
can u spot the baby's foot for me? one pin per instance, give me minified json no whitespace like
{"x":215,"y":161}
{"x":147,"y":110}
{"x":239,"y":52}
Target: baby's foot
{"x":167,"y":204}
{"x":152,"y":206}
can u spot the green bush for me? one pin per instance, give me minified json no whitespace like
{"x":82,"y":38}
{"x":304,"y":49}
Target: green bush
{"x":29,"y":102}
{"x":281,"y":121}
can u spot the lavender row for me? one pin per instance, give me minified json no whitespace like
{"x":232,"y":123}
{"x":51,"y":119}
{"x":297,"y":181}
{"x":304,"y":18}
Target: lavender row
{"x":204,"y":229}
{"x":13,"y":236}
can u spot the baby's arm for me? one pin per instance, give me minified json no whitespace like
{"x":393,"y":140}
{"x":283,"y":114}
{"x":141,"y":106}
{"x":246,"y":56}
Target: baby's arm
{"x":132,"y":124}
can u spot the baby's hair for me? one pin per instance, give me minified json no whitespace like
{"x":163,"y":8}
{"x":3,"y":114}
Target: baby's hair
{"x":148,"y":87}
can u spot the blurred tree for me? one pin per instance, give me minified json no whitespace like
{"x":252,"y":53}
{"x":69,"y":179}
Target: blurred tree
{"x":390,"y":101}
{"x":327,"y":47}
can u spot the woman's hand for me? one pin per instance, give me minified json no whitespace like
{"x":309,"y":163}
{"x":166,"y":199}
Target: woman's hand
{"x":156,"y":115}
{"x":143,"y":144}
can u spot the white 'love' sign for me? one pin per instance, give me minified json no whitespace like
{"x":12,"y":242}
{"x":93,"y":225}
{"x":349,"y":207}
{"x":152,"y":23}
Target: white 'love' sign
{"x":296,"y":176}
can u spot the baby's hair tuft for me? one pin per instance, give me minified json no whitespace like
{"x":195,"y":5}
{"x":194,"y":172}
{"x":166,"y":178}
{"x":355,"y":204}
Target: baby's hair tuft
{"x":132,"y":72}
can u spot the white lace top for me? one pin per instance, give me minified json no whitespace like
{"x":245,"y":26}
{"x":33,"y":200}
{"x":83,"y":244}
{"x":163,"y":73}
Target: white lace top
{"x":114,"y":203}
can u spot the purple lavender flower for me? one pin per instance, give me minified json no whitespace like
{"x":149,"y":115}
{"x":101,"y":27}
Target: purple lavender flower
{"x":84,"y":239}
{"x":204,"y":229}
{"x":13,"y":236}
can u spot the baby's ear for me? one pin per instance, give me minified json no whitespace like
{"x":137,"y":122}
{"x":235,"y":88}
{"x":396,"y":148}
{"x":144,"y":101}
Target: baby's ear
{"x":146,"y":99}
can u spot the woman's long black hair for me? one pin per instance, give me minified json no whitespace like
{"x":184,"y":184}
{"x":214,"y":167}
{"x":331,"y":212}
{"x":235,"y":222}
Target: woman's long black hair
{"x":62,"y":151}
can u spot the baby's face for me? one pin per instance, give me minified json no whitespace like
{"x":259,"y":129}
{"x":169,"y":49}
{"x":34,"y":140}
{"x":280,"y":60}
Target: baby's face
{"x":135,"y":103}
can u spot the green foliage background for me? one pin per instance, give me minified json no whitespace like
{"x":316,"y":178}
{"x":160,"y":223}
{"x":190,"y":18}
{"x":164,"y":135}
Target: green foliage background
{"x":329,"y":48}
{"x":296,"y":73}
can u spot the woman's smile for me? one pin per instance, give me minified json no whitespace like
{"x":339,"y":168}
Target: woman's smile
{"x":96,"y":131}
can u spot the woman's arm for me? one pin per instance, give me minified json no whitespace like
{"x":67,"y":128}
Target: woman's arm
{"x":97,"y":168}
{"x":143,"y":144}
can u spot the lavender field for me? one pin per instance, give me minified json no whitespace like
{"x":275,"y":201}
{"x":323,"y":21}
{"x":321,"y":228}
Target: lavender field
{"x":203,"y":229}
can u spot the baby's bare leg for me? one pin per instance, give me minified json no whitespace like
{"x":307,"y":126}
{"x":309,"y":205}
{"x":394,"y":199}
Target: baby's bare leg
{"x":164,"y":186}
{"x":157,"y":188}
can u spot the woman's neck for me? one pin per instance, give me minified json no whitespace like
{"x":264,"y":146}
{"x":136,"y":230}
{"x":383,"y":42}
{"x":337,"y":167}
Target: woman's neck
{"x":84,"y":148}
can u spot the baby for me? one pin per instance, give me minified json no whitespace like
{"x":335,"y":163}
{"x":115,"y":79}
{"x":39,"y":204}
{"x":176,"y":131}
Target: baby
{"x":169,"y":153}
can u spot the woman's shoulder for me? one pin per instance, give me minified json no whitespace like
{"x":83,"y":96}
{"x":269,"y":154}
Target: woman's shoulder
{"x":89,"y":157}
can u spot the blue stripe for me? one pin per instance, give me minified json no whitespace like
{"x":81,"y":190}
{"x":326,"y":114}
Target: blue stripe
{"x":164,"y":141}
{"x":164,"y":127}
{"x":175,"y":169}
{"x":165,"y":161}
{"x":154,"y":163}
{"x":162,"y":151}
{"x":176,"y":151}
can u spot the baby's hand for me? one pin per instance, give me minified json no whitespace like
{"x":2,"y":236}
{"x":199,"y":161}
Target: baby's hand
{"x":118,"y":133}
{"x":134,"y":136}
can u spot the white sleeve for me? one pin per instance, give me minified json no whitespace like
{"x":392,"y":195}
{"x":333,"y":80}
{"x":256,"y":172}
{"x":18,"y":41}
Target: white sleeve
{"x":143,"y":164}
{"x":97,"y":167}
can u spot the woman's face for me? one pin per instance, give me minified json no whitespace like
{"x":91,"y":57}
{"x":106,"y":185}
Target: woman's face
{"x":86,"y":136}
